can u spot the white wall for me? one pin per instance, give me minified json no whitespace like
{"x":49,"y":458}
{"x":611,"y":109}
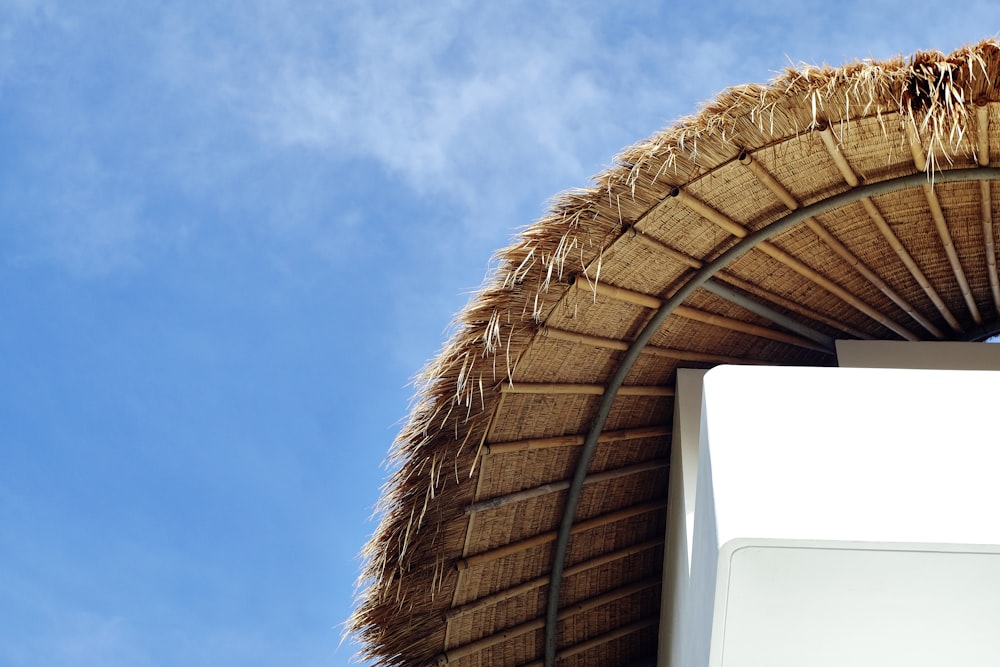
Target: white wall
{"x":835,"y":516}
{"x":854,"y":513}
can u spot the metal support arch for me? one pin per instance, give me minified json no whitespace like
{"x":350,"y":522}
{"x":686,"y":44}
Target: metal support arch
{"x":700,"y":277}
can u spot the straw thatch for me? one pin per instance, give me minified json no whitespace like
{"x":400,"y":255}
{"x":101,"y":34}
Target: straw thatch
{"x":457,"y":570}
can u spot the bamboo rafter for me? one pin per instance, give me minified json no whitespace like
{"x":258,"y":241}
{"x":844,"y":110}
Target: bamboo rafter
{"x":777,"y":299}
{"x":575,"y":440}
{"x":550,"y":536}
{"x":562,"y":485}
{"x":538,"y":582}
{"x":460,"y":652}
{"x":986,"y":203}
{"x":883,"y":227}
{"x":776,"y":253}
{"x":652,"y":302}
{"x":835,"y":244}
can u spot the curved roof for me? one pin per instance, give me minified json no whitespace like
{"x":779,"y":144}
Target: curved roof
{"x":526,"y":518}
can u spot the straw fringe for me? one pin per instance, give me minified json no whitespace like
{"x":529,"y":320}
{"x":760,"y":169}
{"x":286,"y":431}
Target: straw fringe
{"x":930,"y":93}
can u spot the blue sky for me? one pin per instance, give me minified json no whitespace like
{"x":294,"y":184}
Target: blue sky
{"x":232,"y":232}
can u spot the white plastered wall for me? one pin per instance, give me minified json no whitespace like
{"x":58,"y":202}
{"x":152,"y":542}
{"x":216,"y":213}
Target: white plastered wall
{"x":826,"y":512}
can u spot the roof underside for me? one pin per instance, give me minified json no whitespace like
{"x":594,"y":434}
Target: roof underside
{"x":833,"y":203}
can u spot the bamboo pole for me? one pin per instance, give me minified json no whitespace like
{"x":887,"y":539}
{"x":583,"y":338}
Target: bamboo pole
{"x":768,"y":181}
{"x":883,"y":227}
{"x":562,"y":485}
{"x":833,"y":242}
{"x":745,"y":327}
{"x":788,"y":304}
{"x":561,"y":389}
{"x":986,"y":204}
{"x":838,"y":247}
{"x":920,"y":162}
{"x":949,"y":249}
{"x":552,"y":388}
{"x":793,"y":263}
{"x":620,"y":294}
{"x":983,"y":135}
{"x":639,"y":299}
{"x":466,"y":650}
{"x":550,"y":536}
{"x":575,"y":440}
{"x":777,"y":299}
{"x":621,"y":345}
{"x":916,"y":150}
{"x":538,"y":582}
{"x":833,"y":149}
{"x":986,"y":212}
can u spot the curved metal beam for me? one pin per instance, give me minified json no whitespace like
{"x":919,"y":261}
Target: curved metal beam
{"x":742,"y":247}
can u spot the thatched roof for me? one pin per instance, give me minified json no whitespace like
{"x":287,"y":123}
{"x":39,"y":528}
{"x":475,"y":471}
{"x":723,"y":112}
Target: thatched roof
{"x":852,"y":202}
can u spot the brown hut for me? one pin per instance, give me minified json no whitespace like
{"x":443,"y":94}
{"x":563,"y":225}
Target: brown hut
{"x":525,"y":523}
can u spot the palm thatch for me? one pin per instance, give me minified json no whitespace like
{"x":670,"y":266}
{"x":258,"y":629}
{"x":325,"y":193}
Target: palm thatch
{"x":457,"y":570}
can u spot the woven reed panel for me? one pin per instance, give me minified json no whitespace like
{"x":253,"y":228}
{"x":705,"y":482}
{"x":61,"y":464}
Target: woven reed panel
{"x":559,"y":361}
